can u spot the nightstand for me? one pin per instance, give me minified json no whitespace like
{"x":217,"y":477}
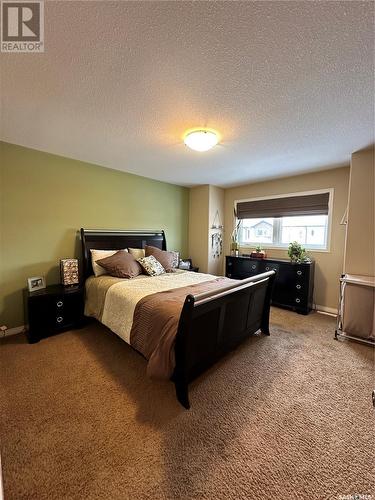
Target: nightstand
{"x":194,"y":269}
{"x":52,"y":310}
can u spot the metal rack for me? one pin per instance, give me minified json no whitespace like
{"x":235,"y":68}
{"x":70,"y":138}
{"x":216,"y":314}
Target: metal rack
{"x":368,"y":337}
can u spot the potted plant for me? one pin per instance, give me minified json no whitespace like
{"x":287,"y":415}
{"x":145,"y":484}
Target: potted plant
{"x":259,"y":253}
{"x":297,"y":253}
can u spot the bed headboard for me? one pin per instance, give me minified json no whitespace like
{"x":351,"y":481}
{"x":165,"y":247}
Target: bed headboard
{"x":109,"y":239}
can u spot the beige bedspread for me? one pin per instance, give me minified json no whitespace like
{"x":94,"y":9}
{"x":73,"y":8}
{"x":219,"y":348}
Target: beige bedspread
{"x":113,"y":302}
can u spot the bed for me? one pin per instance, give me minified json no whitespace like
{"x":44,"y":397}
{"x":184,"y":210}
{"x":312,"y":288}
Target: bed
{"x":181,"y":322}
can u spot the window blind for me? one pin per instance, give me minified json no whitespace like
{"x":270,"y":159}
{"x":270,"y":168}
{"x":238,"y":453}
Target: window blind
{"x":312,"y":204}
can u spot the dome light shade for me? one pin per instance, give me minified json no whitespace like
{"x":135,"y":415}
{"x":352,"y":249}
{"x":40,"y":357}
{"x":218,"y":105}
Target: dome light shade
{"x":201,"y":140}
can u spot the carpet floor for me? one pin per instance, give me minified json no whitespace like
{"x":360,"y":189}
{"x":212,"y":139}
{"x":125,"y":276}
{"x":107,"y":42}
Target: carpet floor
{"x":282,"y":417}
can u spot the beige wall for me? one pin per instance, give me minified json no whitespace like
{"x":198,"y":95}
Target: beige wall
{"x":329,"y":265}
{"x":198,"y":226}
{"x":45,"y":199}
{"x":204,"y":202}
{"x":359,"y":253}
{"x":216,"y":205}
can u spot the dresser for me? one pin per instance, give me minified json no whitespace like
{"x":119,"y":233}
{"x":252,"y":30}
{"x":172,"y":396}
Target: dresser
{"x":294,"y":283}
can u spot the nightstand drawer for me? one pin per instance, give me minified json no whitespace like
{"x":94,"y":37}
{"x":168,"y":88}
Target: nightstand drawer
{"x":66,"y":307}
{"x":59,"y":302}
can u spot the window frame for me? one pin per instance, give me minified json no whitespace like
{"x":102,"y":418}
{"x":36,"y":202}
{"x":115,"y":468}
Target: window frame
{"x":280,"y":246}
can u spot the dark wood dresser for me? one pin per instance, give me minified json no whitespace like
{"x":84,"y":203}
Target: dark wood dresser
{"x":294,"y":283}
{"x":52,"y":310}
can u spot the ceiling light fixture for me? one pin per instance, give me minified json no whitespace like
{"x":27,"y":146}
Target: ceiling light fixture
{"x":201,"y":139}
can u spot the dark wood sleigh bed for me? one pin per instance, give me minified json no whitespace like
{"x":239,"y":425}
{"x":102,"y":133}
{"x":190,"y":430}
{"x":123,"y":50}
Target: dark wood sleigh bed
{"x":211,"y":323}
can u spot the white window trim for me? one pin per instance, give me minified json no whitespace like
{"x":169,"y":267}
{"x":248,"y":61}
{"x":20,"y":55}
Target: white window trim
{"x":330,"y":191}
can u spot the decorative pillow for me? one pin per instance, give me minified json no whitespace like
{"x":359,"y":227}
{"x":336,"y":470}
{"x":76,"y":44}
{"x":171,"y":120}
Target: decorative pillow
{"x":100,"y":254}
{"x":121,"y":264}
{"x":169,"y":260}
{"x":151,"y":266}
{"x":138,"y":253}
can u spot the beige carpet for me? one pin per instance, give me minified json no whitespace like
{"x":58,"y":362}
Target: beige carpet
{"x":284,"y":417}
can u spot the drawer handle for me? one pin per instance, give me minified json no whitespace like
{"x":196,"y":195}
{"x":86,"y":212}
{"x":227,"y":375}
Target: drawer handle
{"x":298,"y":287}
{"x":60,"y":303}
{"x":267,"y":268}
{"x":229,"y":263}
{"x":59,"y":319}
{"x":299,"y":273}
{"x":229,"y":275}
{"x":298,"y":301}
{"x":253,"y":266}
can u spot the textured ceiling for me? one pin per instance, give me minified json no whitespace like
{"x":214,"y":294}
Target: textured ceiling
{"x":289,"y":85}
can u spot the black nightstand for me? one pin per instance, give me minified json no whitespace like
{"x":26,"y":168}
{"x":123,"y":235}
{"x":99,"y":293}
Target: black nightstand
{"x":52,"y":310}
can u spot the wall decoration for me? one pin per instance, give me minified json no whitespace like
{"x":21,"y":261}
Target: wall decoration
{"x":216,"y":224}
{"x":217,"y":237}
{"x":216,"y":245}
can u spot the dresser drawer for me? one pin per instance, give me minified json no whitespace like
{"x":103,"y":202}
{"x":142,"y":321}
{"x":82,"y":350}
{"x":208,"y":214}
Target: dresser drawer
{"x":255,"y":267}
{"x":301,"y":287}
{"x":299,"y":300}
{"x":290,"y":299}
{"x":243,"y":268}
{"x":270,"y":266}
{"x":301,"y":273}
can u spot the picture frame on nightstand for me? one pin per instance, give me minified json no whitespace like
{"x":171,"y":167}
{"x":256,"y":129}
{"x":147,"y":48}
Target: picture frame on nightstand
{"x":36,"y":283}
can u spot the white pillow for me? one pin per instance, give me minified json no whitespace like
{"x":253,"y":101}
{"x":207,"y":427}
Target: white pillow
{"x":100,"y":254}
{"x":137,"y":253}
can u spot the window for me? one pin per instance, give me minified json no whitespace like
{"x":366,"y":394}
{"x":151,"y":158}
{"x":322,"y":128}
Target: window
{"x":303,"y":218}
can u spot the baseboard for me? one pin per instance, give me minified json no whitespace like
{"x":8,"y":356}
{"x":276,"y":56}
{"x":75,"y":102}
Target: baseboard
{"x":13,"y":331}
{"x":325,"y":309}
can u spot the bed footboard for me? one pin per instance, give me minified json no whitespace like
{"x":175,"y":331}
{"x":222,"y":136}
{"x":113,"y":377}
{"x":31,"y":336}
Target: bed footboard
{"x":213,"y":323}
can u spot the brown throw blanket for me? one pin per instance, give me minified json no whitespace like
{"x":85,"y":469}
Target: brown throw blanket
{"x":155,"y":324}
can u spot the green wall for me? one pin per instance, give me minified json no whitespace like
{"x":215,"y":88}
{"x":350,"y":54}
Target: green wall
{"x":45,"y":199}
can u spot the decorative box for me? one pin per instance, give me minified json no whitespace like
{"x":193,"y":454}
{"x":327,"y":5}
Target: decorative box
{"x":69,"y":272}
{"x":258,"y":255}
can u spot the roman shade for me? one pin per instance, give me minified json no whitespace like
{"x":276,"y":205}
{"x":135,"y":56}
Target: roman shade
{"x":311,"y":204}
